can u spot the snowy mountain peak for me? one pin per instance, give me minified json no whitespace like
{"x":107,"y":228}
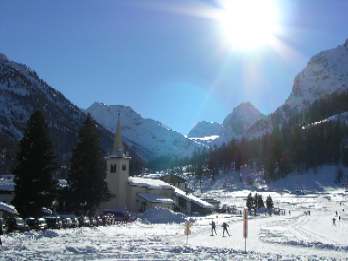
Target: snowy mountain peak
{"x":234,"y":125}
{"x":124,"y":111}
{"x":152,"y":137}
{"x":245,"y":109}
{"x":204,"y":129}
{"x":241,"y":118}
{"x":325,"y":73}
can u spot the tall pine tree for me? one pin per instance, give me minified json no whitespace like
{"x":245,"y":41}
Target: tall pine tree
{"x":87,"y":174}
{"x":35,"y":187}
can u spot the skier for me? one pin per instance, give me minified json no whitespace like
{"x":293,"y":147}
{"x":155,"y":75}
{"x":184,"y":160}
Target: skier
{"x":336,"y":213}
{"x":339,"y":218}
{"x":213,"y":228}
{"x":309,"y":212}
{"x":334,"y":221}
{"x":289,"y":212}
{"x":225,"y":226}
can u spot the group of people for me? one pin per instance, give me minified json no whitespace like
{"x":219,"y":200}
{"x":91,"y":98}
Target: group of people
{"x":224,"y":228}
{"x":307,"y":212}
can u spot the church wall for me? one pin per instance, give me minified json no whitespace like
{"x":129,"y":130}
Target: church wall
{"x":117,"y":182}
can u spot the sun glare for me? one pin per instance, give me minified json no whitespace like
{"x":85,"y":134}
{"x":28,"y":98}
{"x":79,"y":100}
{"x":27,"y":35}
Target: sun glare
{"x":248,"y":24}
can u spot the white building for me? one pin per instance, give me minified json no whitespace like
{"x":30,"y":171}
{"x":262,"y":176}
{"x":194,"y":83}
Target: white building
{"x":138,"y":193}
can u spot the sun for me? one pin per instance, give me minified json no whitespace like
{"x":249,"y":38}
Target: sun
{"x":248,"y":24}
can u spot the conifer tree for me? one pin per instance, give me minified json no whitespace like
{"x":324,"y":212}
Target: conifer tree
{"x":35,"y":187}
{"x":250,"y":202}
{"x":269,"y":204}
{"x":87,"y":174}
{"x":259,"y":201}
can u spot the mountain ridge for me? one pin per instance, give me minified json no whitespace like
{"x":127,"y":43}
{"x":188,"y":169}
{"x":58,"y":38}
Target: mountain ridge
{"x":155,"y":137}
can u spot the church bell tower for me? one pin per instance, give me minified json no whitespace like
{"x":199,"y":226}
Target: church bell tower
{"x":117,"y":173}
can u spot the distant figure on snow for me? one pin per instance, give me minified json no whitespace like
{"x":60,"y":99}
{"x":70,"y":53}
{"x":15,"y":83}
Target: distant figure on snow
{"x":336,"y":213}
{"x":339,"y":218}
{"x":213,"y":228}
{"x":334,"y":221}
{"x":224,"y":228}
{"x":289,"y":212}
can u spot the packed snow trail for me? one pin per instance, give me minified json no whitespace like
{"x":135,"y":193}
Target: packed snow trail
{"x":263,"y":240}
{"x":295,"y":237}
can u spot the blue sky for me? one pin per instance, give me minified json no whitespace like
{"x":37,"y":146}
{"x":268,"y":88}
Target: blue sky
{"x":168,"y":65}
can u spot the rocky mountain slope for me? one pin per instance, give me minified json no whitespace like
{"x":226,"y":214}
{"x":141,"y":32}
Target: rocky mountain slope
{"x":233,"y":127}
{"x":156,"y":139}
{"x":21,"y":93}
{"x":326,"y":73}
{"x":240,"y":120}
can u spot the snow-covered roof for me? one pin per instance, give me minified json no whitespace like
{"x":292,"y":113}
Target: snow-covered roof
{"x":192,"y":198}
{"x":8,"y":208}
{"x":149,"y":183}
{"x":153,"y":175}
{"x":154,"y":198}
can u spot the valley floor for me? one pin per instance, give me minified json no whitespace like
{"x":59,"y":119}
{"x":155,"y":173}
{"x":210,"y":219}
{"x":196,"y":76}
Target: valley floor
{"x":290,"y":237}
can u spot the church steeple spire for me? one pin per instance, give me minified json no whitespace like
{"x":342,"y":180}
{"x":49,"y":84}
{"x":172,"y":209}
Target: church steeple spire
{"x":118,"y":149}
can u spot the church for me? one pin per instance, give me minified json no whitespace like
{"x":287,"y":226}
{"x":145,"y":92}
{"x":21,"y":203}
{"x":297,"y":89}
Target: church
{"x":136,"y":194}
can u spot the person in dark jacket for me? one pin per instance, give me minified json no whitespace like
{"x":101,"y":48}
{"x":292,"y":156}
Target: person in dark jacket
{"x":224,"y":228}
{"x":213,"y":228}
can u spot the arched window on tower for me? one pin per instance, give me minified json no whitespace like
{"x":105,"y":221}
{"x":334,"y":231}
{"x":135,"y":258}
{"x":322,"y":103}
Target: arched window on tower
{"x":113,"y":168}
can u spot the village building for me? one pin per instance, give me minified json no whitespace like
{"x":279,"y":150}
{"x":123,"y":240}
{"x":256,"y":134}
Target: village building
{"x":136,"y":194}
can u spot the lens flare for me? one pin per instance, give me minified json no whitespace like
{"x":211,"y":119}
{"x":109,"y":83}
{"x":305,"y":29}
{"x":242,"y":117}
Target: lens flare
{"x":249,"y":24}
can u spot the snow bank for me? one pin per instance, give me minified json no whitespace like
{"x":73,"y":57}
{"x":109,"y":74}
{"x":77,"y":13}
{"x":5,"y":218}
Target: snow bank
{"x":320,"y":179}
{"x":162,"y":215}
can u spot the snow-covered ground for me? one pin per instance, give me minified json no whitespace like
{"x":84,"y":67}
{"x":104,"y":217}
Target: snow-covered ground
{"x":290,"y":237}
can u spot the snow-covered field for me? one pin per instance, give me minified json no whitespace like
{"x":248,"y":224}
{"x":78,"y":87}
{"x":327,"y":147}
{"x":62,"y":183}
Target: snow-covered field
{"x":290,"y":237}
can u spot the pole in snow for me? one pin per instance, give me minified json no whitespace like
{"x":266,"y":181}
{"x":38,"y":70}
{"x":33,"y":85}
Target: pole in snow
{"x":187,"y":230}
{"x":245,"y":227}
